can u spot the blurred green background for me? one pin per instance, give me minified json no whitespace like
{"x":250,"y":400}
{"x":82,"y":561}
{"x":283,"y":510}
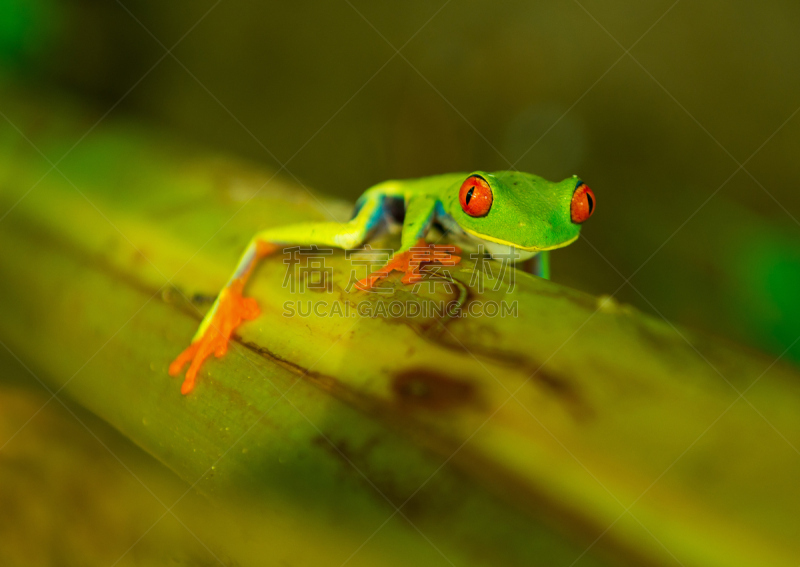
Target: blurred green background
{"x":683,"y":116}
{"x":689,"y":139}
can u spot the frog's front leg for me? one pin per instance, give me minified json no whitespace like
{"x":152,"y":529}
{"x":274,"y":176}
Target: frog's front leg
{"x":414,"y":251}
{"x":231,"y":308}
{"x":539,"y":265}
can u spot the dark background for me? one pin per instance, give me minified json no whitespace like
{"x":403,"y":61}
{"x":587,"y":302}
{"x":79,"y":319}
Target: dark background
{"x":679,"y":115}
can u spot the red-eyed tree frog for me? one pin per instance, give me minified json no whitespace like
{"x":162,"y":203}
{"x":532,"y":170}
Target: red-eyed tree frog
{"x":507,"y":212}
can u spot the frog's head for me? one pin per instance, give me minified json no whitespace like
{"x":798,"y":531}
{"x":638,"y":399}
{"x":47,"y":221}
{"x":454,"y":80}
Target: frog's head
{"x":520,"y":209}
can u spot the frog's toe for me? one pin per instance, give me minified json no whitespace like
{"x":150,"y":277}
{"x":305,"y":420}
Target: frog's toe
{"x":367,"y":283}
{"x":411,"y":262}
{"x":444,"y":254}
{"x":231,"y":311}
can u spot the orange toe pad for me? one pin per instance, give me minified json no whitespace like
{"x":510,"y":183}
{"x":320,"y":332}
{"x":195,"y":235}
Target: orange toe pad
{"x":231,"y":310}
{"x":410,"y":262}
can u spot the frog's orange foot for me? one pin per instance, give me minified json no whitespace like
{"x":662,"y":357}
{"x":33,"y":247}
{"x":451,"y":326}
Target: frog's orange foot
{"x":231,"y":311}
{"x":411,"y":261}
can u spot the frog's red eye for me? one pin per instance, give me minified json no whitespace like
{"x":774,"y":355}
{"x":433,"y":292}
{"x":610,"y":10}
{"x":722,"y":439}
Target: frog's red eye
{"x":582,"y":205}
{"x":475,"y":196}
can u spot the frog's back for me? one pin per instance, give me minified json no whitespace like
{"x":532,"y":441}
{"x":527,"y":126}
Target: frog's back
{"x":433,"y":186}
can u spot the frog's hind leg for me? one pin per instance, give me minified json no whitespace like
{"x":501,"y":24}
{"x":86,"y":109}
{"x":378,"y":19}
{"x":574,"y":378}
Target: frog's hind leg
{"x":231,"y":308}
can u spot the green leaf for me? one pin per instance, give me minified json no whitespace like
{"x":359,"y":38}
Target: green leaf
{"x":573,"y":428}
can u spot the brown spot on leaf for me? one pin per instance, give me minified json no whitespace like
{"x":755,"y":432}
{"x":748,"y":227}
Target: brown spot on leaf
{"x":430,"y":390}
